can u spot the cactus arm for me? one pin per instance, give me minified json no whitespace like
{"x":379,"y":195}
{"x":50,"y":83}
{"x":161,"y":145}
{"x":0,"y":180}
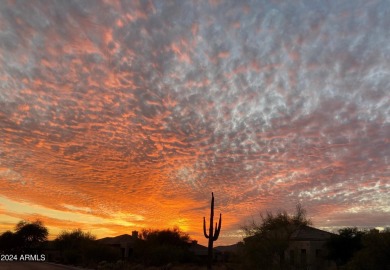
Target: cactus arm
{"x":217,"y":228}
{"x":215,"y":236}
{"x":204,"y":228}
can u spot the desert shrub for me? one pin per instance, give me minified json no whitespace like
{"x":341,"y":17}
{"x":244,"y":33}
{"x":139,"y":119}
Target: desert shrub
{"x":160,"y":247}
{"x":80,"y":248}
{"x":374,"y":253}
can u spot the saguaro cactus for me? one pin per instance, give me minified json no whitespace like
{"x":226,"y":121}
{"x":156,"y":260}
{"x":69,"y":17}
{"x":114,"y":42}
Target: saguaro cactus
{"x":213,"y":235}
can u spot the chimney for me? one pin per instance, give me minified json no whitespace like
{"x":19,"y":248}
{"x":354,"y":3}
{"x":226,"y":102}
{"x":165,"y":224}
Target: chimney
{"x":134,"y":234}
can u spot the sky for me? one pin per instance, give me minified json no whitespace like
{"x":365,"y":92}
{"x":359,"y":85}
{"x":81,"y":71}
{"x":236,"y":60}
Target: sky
{"x":124,"y":115}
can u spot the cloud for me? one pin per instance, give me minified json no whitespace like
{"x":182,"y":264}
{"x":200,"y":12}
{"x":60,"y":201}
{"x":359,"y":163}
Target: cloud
{"x":145,"y":108}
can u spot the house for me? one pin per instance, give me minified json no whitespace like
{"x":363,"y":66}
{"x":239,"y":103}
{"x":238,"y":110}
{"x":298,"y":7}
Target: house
{"x":229,"y":252}
{"x":123,"y":242}
{"x":305,"y":247}
{"x":202,"y":251}
{"x":230,"y":248}
{"x":198,"y":250}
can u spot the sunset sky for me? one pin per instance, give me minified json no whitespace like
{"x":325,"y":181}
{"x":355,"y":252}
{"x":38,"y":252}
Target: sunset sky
{"x":122,"y":115}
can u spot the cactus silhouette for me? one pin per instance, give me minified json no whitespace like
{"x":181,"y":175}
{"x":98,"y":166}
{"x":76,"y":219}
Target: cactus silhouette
{"x":213,"y":235}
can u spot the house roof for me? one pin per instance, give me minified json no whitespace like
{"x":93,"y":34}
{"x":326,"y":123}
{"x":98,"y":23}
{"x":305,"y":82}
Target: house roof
{"x":304,"y":233}
{"x":310,"y":233}
{"x":230,"y":248}
{"x":121,"y":239}
{"x":198,"y":249}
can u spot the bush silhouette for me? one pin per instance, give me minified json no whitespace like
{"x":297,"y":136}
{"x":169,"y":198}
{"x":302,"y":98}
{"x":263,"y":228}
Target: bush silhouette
{"x":160,"y":247}
{"x":342,"y":247}
{"x":361,"y":250}
{"x":32,"y":233}
{"x":374,"y":253}
{"x":80,"y":248}
{"x":10,"y":242}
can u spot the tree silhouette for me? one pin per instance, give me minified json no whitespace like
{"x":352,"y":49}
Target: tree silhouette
{"x":73,"y":245}
{"x":160,"y":247}
{"x":28,"y":237}
{"x":174,"y":237}
{"x":80,"y":248}
{"x":74,"y":239}
{"x":374,"y":253}
{"x":342,"y":247}
{"x":31,"y":234}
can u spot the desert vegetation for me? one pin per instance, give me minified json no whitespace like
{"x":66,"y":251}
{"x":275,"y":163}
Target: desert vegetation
{"x":28,"y":237}
{"x":358,"y":249}
{"x":266,"y":245}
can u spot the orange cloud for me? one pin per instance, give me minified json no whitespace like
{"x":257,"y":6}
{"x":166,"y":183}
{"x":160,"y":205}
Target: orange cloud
{"x":121,"y":116}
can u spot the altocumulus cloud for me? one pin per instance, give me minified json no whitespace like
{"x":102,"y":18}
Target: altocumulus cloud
{"x":135,"y":111}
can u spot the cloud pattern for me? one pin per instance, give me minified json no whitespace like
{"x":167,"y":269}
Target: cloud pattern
{"x":134,"y":111}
